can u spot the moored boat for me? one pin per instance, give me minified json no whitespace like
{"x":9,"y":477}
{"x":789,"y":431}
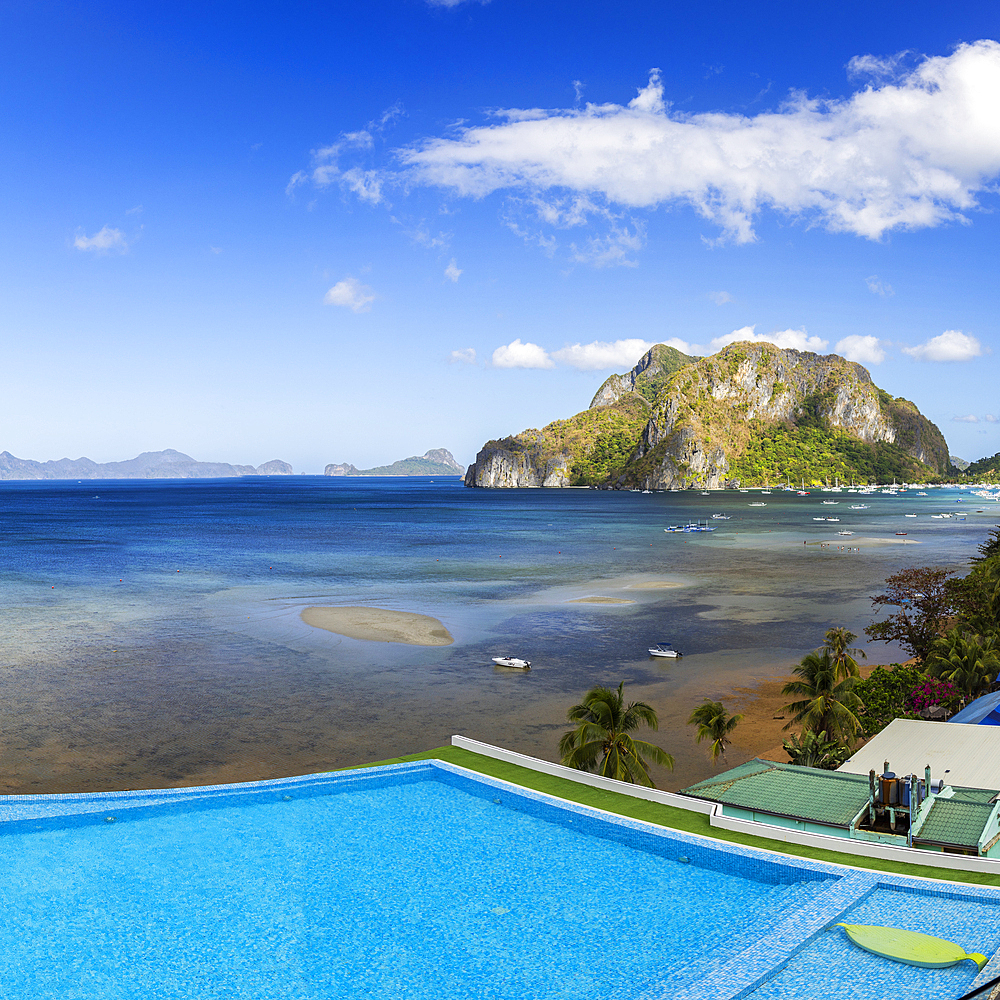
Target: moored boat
{"x":512,"y":661}
{"x":663,"y":649}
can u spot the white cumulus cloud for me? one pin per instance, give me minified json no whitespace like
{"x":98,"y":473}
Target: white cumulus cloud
{"x":452,"y":272}
{"x":601,"y":355}
{"x":952,"y":345}
{"x":970,"y":419}
{"x":465,"y":356}
{"x":351,"y":294}
{"x":911,"y":151}
{"x":864,"y":350}
{"x":518,"y":355}
{"x":991,"y":418}
{"x":796,"y":340}
{"x":105,"y":240}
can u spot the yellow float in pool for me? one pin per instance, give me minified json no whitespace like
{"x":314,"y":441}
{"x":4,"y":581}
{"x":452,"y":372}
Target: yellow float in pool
{"x":910,"y":947}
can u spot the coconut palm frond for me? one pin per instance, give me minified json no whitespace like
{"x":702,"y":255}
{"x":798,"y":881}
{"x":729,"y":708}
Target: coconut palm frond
{"x":602,"y":742}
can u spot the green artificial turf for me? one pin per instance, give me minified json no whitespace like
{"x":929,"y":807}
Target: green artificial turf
{"x":672,"y":817}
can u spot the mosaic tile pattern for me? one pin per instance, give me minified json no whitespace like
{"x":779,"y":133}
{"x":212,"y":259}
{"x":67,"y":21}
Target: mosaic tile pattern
{"x":781,"y":945}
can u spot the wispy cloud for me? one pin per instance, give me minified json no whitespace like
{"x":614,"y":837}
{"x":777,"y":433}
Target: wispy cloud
{"x":720,"y":298}
{"x":453,"y":3}
{"x":878,"y":287}
{"x":518,"y":355}
{"x":351,"y":294}
{"x":952,"y":345}
{"x":970,"y":419}
{"x":452,"y":272}
{"x":105,"y":240}
{"x":864,"y":350}
{"x":913,"y":149}
{"x":465,"y":356}
{"x":991,"y":418}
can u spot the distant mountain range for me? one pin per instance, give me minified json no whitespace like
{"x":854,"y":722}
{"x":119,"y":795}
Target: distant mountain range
{"x":436,"y":462}
{"x":167,"y":464}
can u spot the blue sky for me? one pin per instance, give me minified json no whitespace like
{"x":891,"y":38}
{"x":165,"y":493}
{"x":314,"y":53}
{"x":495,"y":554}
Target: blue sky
{"x":330,"y":232}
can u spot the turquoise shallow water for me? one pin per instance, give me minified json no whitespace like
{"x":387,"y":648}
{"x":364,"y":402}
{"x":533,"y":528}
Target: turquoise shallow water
{"x":151,"y":635}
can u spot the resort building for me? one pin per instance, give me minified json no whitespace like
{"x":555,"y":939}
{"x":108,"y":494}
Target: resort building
{"x":874,"y":807}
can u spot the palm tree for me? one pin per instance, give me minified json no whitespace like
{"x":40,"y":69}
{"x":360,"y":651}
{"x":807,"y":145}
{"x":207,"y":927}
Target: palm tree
{"x":828,"y":702}
{"x":714,"y":724}
{"x":970,"y":662}
{"x":601,"y":742}
{"x":838,"y":640}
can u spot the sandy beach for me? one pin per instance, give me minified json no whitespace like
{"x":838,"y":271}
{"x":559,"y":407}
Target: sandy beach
{"x":761,"y":732}
{"x":380,"y":625}
{"x":599,"y":600}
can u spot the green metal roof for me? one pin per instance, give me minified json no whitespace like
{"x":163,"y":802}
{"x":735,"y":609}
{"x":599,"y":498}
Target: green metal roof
{"x":974,"y":794}
{"x":957,"y":822}
{"x":804,"y":793}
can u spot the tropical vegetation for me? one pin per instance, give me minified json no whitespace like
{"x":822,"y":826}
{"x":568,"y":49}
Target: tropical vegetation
{"x":602,"y":740}
{"x":816,"y":750}
{"x":827,"y":702}
{"x":716,"y":724}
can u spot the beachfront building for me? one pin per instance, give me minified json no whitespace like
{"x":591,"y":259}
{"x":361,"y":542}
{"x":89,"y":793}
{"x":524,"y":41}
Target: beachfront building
{"x":875,"y":808}
{"x":958,"y":753}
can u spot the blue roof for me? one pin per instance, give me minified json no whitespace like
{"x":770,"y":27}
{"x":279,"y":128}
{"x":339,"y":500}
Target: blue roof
{"x":984,"y":711}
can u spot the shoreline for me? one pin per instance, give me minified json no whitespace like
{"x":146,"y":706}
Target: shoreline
{"x":760,"y":734}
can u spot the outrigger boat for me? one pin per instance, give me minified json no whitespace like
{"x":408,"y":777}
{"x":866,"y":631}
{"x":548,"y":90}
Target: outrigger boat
{"x":663,"y":649}
{"x":512,"y":661}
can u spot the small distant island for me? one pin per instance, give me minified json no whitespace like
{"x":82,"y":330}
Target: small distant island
{"x":436,"y":462}
{"x":168,"y":464}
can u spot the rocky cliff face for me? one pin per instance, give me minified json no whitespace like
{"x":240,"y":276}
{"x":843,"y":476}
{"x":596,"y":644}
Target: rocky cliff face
{"x":514,"y":462}
{"x":647,"y":378}
{"x":752,"y":412}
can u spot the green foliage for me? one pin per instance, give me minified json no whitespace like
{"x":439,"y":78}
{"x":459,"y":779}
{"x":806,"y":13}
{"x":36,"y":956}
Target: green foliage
{"x":971,"y":662}
{"x":606,"y":455}
{"x":602,"y":742}
{"x":925,"y":603}
{"x":813,"y":452}
{"x":883,"y":695}
{"x":816,"y":750}
{"x":666,"y":362}
{"x":411,"y":467}
{"x":838,"y":640}
{"x":984,"y":468}
{"x":714,"y":723}
{"x":827,"y":700}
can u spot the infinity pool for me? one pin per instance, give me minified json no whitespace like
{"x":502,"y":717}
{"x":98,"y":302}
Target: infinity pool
{"x":426,"y":881}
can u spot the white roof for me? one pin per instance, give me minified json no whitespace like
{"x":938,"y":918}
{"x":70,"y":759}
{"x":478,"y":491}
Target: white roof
{"x":960,"y":754}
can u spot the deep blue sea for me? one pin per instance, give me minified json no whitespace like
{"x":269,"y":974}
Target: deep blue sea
{"x":151,"y":631}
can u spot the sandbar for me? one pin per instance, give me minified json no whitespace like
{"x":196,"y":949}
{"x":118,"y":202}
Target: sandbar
{"x":599,"y":600}
{"x":380,"y":625}
{"x":654,"y":585}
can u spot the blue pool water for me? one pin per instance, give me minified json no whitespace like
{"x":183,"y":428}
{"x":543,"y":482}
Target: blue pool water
{"x":421,"y":881}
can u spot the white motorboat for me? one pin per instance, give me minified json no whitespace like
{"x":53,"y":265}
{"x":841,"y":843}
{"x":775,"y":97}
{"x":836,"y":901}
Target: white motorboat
{"x":663,"y":649}
{"x":756,"y":504}
{"x":512,"y":661}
